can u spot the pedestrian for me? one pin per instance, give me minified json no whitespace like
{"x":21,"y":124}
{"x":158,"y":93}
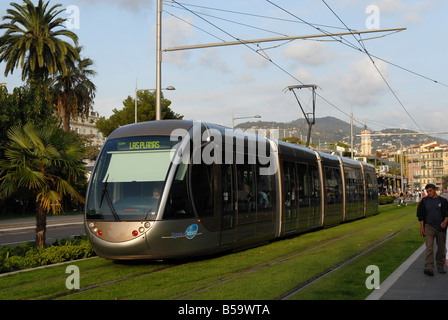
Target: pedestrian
{"x":401,"y":199}
{"x":418,"y":197}
{"x":432,"y":212}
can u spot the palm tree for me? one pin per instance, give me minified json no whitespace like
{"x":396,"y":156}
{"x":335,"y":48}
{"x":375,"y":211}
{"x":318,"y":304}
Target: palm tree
{"x":46,"y":161}
{"x":73,"y":91}
{"x":32,"y":40}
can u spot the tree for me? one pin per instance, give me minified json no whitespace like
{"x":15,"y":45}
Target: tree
{"x":21,"y":106}
{"x":73,"y":91}
{"x":146,"y":106}
{"x":445,"y":182}
{"x":47,"y":162}
{"x":32,"y":40}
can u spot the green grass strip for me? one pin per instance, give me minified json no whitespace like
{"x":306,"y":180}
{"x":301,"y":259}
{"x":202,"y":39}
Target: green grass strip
{"x":265,"y":272}
{"x":349,"y":281}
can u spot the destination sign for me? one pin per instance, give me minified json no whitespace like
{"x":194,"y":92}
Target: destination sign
{"x":138,"y":145}
{"x":144,"y":143}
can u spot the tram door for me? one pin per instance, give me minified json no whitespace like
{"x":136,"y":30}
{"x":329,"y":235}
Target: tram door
{"x":228,"y":223}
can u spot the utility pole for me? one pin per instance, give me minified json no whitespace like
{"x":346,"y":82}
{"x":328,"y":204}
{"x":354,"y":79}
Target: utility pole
{"x":159,"y":62}
{"x":351,"y":134}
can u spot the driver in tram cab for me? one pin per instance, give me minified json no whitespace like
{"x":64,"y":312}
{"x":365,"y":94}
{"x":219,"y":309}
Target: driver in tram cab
{"x":156,"y":193}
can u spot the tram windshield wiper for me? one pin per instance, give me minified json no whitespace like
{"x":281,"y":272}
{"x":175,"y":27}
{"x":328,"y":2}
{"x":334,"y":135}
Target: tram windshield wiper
{"x":109,"y":200}
{"x":149,"y":211}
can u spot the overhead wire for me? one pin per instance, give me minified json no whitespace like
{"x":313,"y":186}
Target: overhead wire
{"x":254,"y":15}
{"x":189,"y":23}
{"x":235,"y":22}
{"x":360,"y":41}
{"x":317,"y":27}
{"x":376,"y":67}
{"x":348,"y":43}
{"x":364,"y":50}
{"x":264,"y":56}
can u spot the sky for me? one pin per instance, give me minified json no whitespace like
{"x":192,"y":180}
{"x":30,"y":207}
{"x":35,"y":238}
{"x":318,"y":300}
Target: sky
{"x":216,"y":84}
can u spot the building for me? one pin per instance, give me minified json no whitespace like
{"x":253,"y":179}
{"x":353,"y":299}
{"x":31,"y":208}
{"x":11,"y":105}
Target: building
{"x":366,"y":142}
{"x":414,"y":167}
{"x":432,"y":164}
{"x":87,"y":127}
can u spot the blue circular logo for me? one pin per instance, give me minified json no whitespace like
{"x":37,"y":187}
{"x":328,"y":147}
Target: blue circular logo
{"x":191,"y":231}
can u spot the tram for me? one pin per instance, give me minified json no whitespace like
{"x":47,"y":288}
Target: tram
{"x":175,"y":188}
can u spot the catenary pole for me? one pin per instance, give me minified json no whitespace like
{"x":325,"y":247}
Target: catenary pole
{"x":159,"y":62}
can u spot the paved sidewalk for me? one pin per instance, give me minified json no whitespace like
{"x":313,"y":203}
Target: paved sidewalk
{"x":409,"y":282}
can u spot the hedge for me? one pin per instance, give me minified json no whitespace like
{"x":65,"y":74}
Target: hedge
{"x":386,"y":199}
{"x":26,"y":256}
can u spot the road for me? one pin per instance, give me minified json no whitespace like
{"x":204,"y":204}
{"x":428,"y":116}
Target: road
{"x":17,"y":231}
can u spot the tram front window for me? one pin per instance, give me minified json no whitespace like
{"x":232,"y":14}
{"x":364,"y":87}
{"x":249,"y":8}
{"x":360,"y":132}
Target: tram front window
{"x":129,"y":179}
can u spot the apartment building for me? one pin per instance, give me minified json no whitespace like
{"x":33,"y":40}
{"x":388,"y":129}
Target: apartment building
{"x":87,"y":127}
{"x":413,"y":166}
{"x":433,"y":163}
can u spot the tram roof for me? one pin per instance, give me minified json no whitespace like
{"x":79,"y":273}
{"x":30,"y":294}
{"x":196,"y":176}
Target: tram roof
{"x":164,"y":127}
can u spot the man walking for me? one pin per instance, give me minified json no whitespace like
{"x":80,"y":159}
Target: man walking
{"x":432,"y":212}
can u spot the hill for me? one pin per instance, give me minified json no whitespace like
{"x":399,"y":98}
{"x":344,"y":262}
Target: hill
{"x":329,"y":129}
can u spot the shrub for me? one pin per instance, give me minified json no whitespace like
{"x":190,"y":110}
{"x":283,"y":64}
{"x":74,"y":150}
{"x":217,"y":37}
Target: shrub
{"x":386,"y":199}
{"x":26,"y":256}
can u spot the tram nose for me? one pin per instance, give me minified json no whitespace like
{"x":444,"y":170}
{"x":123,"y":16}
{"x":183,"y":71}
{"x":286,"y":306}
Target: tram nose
{"x":118,"y":231}
{"x":122,"y":240}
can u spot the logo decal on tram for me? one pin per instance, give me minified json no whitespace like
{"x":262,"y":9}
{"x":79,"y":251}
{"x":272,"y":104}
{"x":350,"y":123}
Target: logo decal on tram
{"x":190,"y":233}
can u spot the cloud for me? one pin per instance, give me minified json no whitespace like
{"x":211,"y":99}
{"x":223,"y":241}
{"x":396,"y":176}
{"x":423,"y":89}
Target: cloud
{"x":133,"y":5}
{"x":174,"y":31}
{"x":361,"y":84}
{"x":255,"y":60}
{"x":391,"y":6}
{"x":304,"y":75}
{"x":307,"y":52}
{"x":211,"y":59}
{"x":410,"y":13}
{"x":244,"y":78}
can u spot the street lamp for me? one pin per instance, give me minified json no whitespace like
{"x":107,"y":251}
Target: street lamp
{"x":234,"y":118}
{"x":137,"y":90}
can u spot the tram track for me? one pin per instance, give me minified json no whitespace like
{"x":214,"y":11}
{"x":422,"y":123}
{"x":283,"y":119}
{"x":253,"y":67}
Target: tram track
{"x":290,"y":257}
{"x":262,"y":266}
{"x":305,"y":284}
{"x":239,"y":275}
{"x":222,"y":279}
{"x":94,"y":286}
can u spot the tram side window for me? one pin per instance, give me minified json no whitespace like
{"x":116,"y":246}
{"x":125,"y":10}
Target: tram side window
{"x":315,"y":185}
{"x":304,"y":189}
{"x":178,"y":205}
{"x":350,"y":185}
{"x":372,"y":192}
{"x":246,"y":188}
{"x":228,"y":220}
{"x":265,"y":191}
{"x":202,"y":182}
{"x":290,"y":185}
{"x":359,"y":186}
{"x":334,"y":185}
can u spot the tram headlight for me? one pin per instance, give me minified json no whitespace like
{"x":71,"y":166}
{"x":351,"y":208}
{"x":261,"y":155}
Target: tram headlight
{"x":141,"y":229}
